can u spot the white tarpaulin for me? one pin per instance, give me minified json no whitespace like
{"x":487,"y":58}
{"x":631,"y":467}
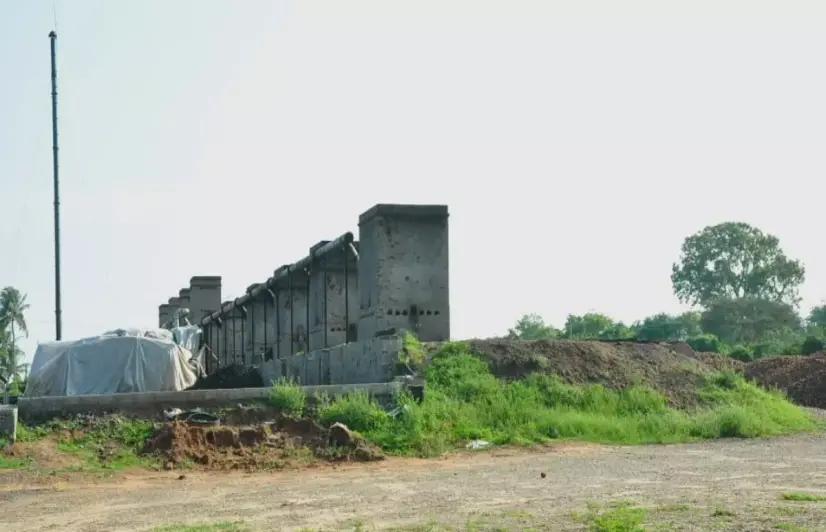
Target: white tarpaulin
{"x":120,"y":361}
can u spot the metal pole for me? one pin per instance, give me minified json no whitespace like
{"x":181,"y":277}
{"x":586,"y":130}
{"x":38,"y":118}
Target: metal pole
{"x":57,"y":310}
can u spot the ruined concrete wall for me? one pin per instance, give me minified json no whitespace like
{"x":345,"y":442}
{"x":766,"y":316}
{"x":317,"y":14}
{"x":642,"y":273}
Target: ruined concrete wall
{"x":404,"y":271}
{"x":374,"y":360}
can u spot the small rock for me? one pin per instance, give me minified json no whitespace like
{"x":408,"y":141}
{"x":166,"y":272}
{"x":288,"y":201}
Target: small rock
{"x":168,"y":465}
{"x":183,"y":477}
{"x":543,"y":475}
{"x":341,"y":436}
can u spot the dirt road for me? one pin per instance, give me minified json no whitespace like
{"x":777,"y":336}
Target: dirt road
{"x":723,"y":485}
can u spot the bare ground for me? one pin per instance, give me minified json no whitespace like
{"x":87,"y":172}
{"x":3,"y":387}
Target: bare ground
{"x":723,"y":485}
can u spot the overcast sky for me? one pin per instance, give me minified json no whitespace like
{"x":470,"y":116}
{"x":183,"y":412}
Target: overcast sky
{"x":576,"y":143}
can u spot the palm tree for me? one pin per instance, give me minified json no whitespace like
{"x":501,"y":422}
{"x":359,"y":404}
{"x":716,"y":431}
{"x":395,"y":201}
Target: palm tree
{"x":12,"y":308}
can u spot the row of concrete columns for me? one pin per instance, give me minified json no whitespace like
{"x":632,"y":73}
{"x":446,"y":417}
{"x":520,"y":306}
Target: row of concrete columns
{"x":394,"y":278}
{"x":202,"y":298}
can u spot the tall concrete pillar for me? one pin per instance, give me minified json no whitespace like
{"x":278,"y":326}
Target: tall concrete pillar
{"x":334,"y":299}
{"x":184,"y":300}
{"x":164,"y":314}
{"x":204,"y":299}
{"x":404,"y":271}
{"x":174,"y":305}
{"x":292,"y":314}
{"x":204,"y":296}
{"x":260,"y":336}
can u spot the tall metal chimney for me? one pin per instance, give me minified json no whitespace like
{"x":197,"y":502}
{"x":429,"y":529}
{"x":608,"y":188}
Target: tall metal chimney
{"x":57,"y":311}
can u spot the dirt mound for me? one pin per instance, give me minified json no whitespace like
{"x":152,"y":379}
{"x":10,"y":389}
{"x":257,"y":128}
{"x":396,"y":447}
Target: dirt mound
{"x":234,"y":376}
{"x":803,"y":378}
{"x":673,"y":369}
{"x":265,"y":446}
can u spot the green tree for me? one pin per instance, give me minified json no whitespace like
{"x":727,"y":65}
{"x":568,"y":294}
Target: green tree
{"x":590,"y":325}
{"x":749,"y":320}
{"x":532,"y":327}
{"x":817,"y":317}
{"x":12,"y":318}
{"x":734,"y":260}
{"x":669,"y":328}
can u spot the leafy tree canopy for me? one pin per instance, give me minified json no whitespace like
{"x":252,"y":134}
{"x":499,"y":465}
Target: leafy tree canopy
{"x":748,"y":320}
{"x":734,"y":260}
{"x":532,"y":327}
{"x":669,"y":328}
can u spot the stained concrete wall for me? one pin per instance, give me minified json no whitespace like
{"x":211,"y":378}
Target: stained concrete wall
{"x":404,"y":271}
{"x":323,"y":316}
{"x":373,"y":360}
{"x":164,"y":314}
{"x":333,"y":298}
{"x":292,"y":315}
{"x":148,"y":403}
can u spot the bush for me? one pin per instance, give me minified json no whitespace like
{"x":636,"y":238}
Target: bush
{"x":741,"y":353}
{"x":811,"y":345}
{"x":287,"y":396}
{"x":706,"y":343}
{"x":357,"y":410}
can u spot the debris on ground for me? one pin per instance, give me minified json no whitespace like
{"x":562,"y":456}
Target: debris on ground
{"x":477,"y":444}
{"x":672,"y":368}
{"x":264,"y":446}
{"x":229,"y":377}
{"x":801,"y":377}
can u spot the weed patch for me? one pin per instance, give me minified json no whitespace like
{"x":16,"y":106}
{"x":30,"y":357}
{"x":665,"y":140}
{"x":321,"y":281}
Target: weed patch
{"x":804,"y":497}
{"x":287,"y":396}
{"x":464,"y":401}
{"x":203,"y":527}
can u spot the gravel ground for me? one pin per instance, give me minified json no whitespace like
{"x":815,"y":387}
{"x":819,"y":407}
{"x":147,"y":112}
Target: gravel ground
{"x":722,"y":485}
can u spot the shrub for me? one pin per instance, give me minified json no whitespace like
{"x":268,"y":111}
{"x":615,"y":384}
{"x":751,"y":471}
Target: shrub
{"x":287,"y":396}
{"x":357,"y":410}
{"x":741,"y":353}
{"x":811,"y":345}
{"x":706,"y":343}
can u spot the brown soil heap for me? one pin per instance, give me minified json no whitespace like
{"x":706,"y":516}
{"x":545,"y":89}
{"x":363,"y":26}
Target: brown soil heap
{"x":263,"y":446}
{"x":673,"y":369}
{"x":803,"y":378}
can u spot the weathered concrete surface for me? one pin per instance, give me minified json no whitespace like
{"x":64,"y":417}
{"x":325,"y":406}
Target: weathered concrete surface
{"x":404,"y":271}
{"x":333,"y":298}
{"x":373,"y":360}
{"x":157,"y":401}
{"x":8,"y":422}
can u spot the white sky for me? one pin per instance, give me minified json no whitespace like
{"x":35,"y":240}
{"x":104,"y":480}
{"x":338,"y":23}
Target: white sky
{"x":576,"y":143}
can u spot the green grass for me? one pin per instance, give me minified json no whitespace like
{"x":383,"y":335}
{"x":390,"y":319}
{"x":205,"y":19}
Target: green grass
{"x":102,"y":444}
{"x":225,"y":526}
{"x":287,"y":396}
{"x":464,"y":401}
{"x":806,"y":497}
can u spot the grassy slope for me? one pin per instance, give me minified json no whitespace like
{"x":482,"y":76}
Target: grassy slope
{"x":465,"y":402}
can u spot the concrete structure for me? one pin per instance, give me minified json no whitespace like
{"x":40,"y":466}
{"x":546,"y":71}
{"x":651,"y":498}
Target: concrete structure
{"x":334,"y":316}
{"x":184,"y":300}
{"x":32,"y":408}
{"x":8,"y":422}
{"x":404,"y":271}
{"x":164,"y":314}
{"x":204,"y":296}
{"x":373,"y":360}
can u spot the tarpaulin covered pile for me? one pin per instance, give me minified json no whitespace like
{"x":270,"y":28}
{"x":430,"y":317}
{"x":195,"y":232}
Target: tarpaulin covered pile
{"x":119,"y":361}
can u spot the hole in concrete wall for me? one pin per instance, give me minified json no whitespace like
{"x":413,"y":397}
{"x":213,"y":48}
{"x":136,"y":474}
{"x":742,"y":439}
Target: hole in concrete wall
{"x":389,"y":312}
{"x":404,"y":313}
{"x":429,"y":312}
{"x":435,"y":312}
